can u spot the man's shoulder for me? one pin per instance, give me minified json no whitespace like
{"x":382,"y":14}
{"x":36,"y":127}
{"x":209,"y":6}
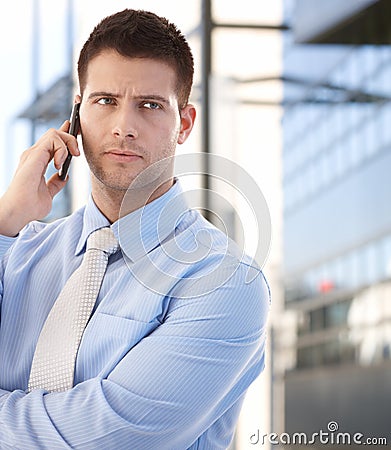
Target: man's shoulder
{"x":44,"y":229}
{"x":211,"y":259}
{"x":37,"y":237}
{"x":211,"y":242}
{"x":38,"y":232}
{"x":218,"y":284}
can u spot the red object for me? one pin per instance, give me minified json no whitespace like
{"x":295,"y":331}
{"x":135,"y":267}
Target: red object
{"x":326,"y":286}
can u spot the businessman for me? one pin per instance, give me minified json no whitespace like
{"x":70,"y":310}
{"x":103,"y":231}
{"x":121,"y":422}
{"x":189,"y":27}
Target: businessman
{"x":159,"y":353}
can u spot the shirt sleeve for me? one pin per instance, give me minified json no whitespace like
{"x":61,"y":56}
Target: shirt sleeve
{"x":166,"y":391}
{"x":5,"y":244}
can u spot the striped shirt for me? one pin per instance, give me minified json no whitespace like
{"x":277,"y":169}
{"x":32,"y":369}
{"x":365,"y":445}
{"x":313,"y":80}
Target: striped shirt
{"x":176,"y":337}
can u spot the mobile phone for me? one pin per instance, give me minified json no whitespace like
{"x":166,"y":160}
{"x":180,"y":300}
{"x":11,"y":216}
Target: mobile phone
{"x":73,"y":130}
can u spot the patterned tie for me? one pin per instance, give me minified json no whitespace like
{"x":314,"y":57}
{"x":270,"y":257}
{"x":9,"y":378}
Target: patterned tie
{"x":55,"y":355}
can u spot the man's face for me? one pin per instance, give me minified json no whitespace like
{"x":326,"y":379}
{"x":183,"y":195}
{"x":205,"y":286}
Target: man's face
{"x":129,"y":117}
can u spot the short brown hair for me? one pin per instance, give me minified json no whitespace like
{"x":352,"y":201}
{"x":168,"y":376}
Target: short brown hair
{"x":141,"y":34}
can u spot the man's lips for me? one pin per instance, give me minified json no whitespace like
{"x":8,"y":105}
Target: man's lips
{"x":122,"y":155}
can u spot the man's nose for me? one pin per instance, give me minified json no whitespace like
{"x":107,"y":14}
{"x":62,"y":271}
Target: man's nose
{"x":125,"y":122}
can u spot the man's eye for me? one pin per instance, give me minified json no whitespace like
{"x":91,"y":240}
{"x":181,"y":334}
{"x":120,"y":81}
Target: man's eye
{"x":151,"y":105}
{"x":105,"y":101}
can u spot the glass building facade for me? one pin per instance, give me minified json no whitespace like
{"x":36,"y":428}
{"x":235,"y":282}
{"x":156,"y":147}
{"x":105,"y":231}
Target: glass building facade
{"x":337,"y":224}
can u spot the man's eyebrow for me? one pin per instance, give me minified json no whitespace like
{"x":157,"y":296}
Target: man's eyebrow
{"x":102,"y":94}
{"x":158,"y":97}
{"x":153,"y":97}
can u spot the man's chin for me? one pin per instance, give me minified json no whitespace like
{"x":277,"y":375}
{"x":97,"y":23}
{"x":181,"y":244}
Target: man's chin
{"x":150,"y":179}
{"x":113,"y":181}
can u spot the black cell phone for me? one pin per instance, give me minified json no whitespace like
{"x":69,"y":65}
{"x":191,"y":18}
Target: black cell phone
{"x":73,"y":130}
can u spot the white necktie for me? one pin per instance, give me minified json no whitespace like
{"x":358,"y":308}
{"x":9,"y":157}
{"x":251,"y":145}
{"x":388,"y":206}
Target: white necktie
{"x":55,"y":355}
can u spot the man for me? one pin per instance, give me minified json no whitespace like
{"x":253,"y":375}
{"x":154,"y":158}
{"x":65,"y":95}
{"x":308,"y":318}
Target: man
{"x":172,"y":344}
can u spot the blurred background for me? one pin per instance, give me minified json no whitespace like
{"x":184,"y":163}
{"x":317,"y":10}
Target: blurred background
{"x":297,"y":92}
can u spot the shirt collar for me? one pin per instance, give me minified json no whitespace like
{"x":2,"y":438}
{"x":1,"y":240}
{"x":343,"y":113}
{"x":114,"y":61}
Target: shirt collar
{"x":93,"y":219}
{"x":146,"y":228}
{"x":142,"y":230}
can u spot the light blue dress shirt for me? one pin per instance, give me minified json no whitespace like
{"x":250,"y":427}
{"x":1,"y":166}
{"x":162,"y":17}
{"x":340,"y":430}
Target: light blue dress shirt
{"x":176,"y":337}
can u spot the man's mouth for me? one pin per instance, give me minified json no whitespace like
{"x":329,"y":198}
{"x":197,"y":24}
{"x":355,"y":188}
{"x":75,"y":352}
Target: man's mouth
{"x":122,"y":155}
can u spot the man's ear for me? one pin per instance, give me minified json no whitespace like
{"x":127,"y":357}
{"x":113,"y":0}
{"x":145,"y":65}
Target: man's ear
{"x":188,"y":115}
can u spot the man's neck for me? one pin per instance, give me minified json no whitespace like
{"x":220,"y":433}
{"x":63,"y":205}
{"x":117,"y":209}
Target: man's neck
{"x":114,"y":203}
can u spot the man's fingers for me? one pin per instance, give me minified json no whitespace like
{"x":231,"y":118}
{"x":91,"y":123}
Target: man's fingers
{"x":59,"y":151}
{"x":55,"y":184}
{"x":70,"y":142}
{"x":62,"y":143}
{"x":65,"y":126}
{"x":54,"y":144}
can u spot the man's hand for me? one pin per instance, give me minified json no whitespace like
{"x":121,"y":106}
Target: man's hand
{"x":29,"y":196}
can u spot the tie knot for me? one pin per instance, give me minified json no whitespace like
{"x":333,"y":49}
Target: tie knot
{"x":103,"y":239}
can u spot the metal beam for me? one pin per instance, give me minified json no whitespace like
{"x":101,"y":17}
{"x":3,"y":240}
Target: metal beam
{"x":252,"y":26}
{"x":35,"y":56}
{"x":206,"y":70}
